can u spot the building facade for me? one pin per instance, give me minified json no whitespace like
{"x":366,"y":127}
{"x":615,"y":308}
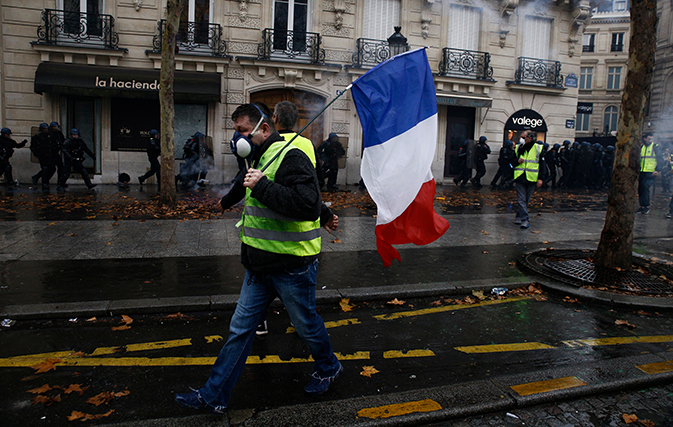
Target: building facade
{"x":500,"y":67}
{"x":659,"y":118}
{"x":603,"y":69}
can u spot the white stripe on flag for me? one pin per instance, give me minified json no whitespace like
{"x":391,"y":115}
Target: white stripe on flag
{"x":395,"y":170}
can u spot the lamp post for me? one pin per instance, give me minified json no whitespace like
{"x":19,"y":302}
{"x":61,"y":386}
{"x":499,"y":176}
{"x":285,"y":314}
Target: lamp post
{"x":397,"y":42}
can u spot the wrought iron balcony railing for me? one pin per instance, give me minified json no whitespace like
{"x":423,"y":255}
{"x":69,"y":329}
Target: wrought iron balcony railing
{"x":470,"y":64}
{"x":62,"y":27}
{"x":370,"y":52}
{"x":199,"y":38}
{"x":587,"y":48}
{"x":295,"y":45}
{"x":539,"y":72}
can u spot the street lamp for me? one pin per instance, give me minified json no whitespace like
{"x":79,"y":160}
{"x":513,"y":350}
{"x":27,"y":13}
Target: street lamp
{"x":397,"y":42}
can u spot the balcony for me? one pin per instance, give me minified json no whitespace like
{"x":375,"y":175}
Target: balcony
{"x":299,"y":46}
{"x":195,"y":38}
{"x":370,"y":52}
{"x":65,"y":28}
{"x":539,"y":72}
{"x":616,"y":48}
{"x":587,"y":48}
{"x":466,"y":63}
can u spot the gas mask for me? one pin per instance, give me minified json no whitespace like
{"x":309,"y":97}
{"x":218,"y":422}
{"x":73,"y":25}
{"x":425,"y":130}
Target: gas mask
{"x":242,"y":145}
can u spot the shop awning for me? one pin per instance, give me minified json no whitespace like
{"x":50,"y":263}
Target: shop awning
{"x":88,"y":80}
{"x":464,"y":101}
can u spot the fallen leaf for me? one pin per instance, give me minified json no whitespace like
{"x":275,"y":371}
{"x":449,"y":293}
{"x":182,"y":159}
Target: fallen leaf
{"x":120,"y":328}
{"x":368,"y":371}
{"x":624,"y":323}
{"x":91,"y":319}
{"x":479,"y":294}
{"x":45,"y":366}
{"x":46,"y":400}
{"x":546,"y":242}
{"x":345,"y":305}
{"x":537,"y":232}
{"x":126,"y":319}
{"x":485,"y":252}
{"x":75,"y":388}
{"x":101,"y":398}
{"x":438,"y":302}
{"x":628,"y":419}
{"x":45,"y":388}
{"x":571,"y":300}
{"x":648,"y":423}
{"x":72,"y":234}
{"x":336,"y":240}
{"x":484,"y":232}
{"x":76,"y":415}
{"x":395,"y":302}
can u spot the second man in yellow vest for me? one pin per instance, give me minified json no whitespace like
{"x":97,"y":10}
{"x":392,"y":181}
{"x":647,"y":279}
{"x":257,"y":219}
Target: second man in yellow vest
{"x":528,"y":174}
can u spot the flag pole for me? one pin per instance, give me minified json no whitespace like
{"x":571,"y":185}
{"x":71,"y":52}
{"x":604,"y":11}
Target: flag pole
{"x":304,"y":128}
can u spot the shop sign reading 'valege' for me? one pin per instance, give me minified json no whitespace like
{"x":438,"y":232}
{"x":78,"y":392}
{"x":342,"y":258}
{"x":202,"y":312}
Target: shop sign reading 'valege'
{"x":126,"y":84}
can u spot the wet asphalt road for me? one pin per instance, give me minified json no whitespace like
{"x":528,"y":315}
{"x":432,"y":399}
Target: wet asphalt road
{"x":358,"y":336}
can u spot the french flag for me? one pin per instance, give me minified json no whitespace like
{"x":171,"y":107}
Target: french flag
{"x":397,"y":106}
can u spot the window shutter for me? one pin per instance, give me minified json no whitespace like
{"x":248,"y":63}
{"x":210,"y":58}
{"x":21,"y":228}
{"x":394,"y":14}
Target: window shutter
{"x":380,"y":17}
{"x":536,"y":37}
{"x":464,"y":27}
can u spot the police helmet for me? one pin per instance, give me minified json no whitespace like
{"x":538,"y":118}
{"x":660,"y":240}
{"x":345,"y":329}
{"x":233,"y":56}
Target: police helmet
{"x":6,"y":131}
{"x":509,"y":143}
{"x":556,"y":146}
{"x":54,"y":124}
{"x":44,"y":126}
{"x":482,"y":139}
{"x":154,"y":132}
{"x":610,"y":148}
{"x":566,"y":142}
{"x":545,"y":146}
{"x":74,"y":131}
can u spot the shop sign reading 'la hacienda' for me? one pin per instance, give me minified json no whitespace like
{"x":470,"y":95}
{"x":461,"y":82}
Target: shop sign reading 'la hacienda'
{"x":111,"y":83}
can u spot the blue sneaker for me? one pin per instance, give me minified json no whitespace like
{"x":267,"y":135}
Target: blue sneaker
{"x":525,"y":224}
{"x":319,"y":385}
{"x":194,"y":400}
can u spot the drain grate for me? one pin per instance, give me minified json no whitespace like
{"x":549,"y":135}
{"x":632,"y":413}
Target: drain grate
{"x":573,"y":267}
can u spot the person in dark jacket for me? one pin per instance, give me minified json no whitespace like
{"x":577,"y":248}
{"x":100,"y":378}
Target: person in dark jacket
{"x":55,"y":132}
{"x":46,"y":148}
{"x":153,"y":153}
{"x":565,"y":161}
{"x":73,"y":159}
{"x":481,"y":152}
{"x":608,"y":163}
{"x":279,"y":250}
{"x":551,"y":161}
{"x":329,"y":152}
{"x":7,"y":146}
{"x":464,"y":164}
{"x":506,"y":162}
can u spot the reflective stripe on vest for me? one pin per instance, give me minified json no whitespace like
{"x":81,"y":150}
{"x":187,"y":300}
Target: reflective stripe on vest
{"x":530,"y":165}
{"x":304,"y":144}
{"x":270,"y":231}
{"x":648,"y":160}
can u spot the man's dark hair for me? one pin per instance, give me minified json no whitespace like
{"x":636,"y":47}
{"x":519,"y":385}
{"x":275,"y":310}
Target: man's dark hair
{"x":287,"y":113}
{"x":254,"y":113}
{"x":646,"y":135}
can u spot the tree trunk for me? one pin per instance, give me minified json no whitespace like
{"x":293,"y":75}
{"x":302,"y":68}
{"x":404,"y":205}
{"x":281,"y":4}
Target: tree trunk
{"x":168,"y":195}
{"x":616,"y":244}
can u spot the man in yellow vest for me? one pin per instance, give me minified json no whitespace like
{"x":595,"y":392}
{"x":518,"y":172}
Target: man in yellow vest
{"x":648,"y":170}
{"x":528,"y":174}
{"x":280,"y":237}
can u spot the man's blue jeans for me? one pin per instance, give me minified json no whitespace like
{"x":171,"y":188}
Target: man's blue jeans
{"x":645,"y":181}
{"x":524,"y":191}
{"x":296,"y":288}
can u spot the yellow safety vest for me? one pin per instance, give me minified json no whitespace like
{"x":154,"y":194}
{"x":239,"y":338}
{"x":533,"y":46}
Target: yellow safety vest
{"x":648,"y":161}
{"x":270,"y":231}
{"x":304,"y":144}
{"x":530,"y":165}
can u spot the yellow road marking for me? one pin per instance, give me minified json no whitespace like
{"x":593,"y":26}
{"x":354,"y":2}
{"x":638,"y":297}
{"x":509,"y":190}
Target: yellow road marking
{"x":157,"y":345}
{"x":395,"y":354}
{"x":442,"y":309}
{"x":591,"y":342}
{"x":549,"y":385}
{"x":656,"y":368}
{"x":496,"y":348}
{"x":212,"y":338}
{"x":328,"y":325}
{"x":398,"y":409}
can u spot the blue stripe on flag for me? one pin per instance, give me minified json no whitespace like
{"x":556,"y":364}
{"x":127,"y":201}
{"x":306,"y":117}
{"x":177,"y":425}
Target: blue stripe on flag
{"x":394,"y":96}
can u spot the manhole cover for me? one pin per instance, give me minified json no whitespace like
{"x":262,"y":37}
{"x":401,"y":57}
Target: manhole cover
{"x":573,"y":267}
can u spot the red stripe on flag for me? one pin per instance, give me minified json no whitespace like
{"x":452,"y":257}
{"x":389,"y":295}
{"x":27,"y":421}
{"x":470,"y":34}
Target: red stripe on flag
{"x":419,"y":224}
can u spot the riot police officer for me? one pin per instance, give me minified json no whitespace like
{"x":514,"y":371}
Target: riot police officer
{"x":46,"y":148}
{"x":153,"y":153}
{"x":481,"y":152}
{"x":7,"y":146}
{"x":73,"y":155}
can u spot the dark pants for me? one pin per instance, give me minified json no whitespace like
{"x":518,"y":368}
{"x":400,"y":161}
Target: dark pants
{"x":481,"y":171}
{"x":464,"y":177}
{"x":47,"y":170}
{"x":552,"y":177}
{"x":524,"y":191}
{"x":331,"y":170}
{"x":645,"y":181}
{"x":155,"y":169}
{"x":6,"y":169}
{"x":77,"y":166}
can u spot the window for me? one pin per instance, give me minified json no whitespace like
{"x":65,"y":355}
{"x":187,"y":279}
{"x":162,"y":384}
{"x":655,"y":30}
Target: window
{"x":81,"y":17}
{"x":586,"y":77}
{"x":538,"y":37}
{"x":619,"y":5}
{"x":617,"y":42}
{"x":614,"y":77}
{"x":291,"y":15}
{"x":582,"y":123}
{"x":588,"y":42}
{"x":464,"y":27}
{"x":194,"y":21}
{"x":380,"y":18}
{"x":610,"y":119}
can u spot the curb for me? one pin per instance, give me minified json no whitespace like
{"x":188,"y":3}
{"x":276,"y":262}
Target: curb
{"x":228,"y":301}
